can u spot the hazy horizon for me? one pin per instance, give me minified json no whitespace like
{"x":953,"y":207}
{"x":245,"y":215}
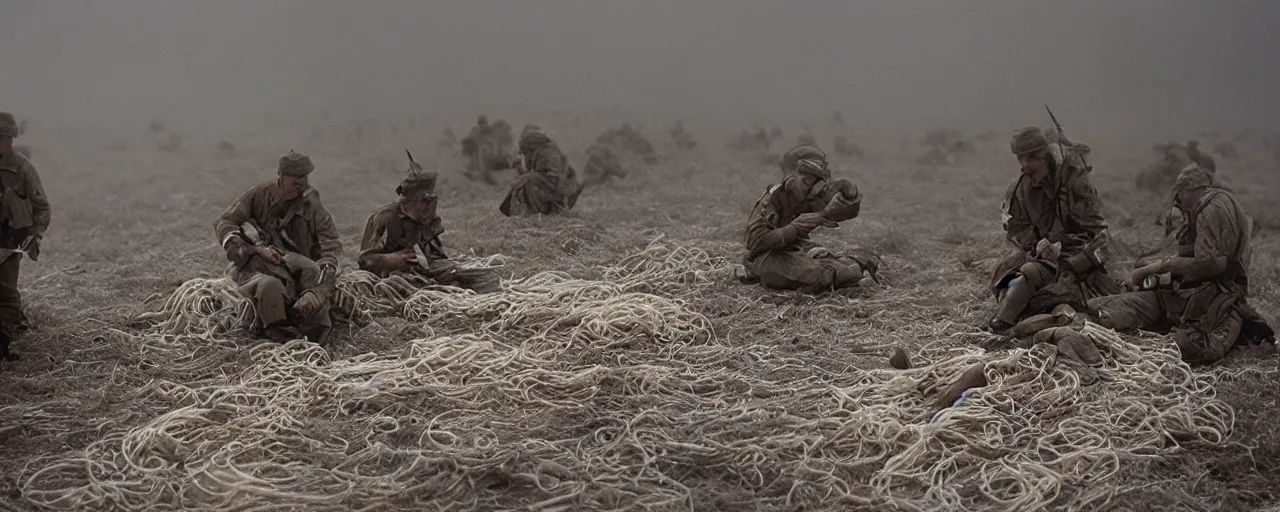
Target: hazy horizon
{"x":1142,"y":69}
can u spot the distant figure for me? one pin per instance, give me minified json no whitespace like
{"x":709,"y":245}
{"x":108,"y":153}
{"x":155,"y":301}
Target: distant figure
{"x":1201,"y":293}
{"x":683,"y":139}
{"x":290,"y":269}
{"x":779,"y":252}
{"x":1200,"y":157}
{"x":547,"y":183}
{"x":487,"y":149}
{"x":602,"y":165}
{"x":629,"y":140}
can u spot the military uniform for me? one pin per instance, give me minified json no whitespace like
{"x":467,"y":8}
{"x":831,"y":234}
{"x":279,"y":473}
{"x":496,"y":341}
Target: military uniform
{"x":1061,"y":208}
{"x":1205,"y":303}
{"x":391,"y":230}
{"x":303,"y":232}
{"x":547,"y":184}
{"x":24,"y":217}
{"x":780,"y":255}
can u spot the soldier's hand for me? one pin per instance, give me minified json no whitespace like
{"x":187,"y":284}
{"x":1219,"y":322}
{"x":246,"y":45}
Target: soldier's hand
{"x":1048,"y":251}
{"x":807,"y":222}
{"x":32,"y":247}
{"x":268,"y":254}
{"x":402,"y":260}
{"x":1142,"y":272}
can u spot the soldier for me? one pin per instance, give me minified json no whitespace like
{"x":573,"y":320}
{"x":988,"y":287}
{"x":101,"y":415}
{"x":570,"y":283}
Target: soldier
{"x":1201,"y":293}
{"x":403,"y":237}
{"x":779,"y":252}
{"x":683,"y":139}
{"x":476,"y":146}
{"x":24,"y":217}
{"x":602,"y":164}
{"x":1051,"y":214}
{"x":1202,"y":159}
{"x":547,"y":184}
{"x":296,"y":260}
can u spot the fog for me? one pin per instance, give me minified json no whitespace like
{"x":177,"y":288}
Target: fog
{"x":1139,"y":68}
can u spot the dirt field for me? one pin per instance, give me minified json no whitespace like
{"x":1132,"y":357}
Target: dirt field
{"x":650,"y":382}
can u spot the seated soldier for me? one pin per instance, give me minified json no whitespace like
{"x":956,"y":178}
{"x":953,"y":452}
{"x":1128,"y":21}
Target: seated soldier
{"x":547,"y":183}
{"x":779,"y":252}
{"x":1201,"y":293}
{"x":1052,"y":216}
{"x":403,"y":238}
{"x":298,"y":263}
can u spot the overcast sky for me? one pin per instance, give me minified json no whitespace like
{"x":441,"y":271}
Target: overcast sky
{"x":1108,"y":66}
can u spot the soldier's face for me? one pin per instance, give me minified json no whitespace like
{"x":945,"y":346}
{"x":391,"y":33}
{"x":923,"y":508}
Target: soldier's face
{"x":1034,"y":164}
{"x":420,"y":210}
{"x":801,"y":185}
{"x":6,"y":144}
{"x":292,"y":186}
{"x":1186,"y":200}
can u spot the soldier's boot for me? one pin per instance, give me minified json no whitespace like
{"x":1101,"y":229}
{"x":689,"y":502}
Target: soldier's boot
{"x":846,"y":276}
{"x":1012,"y":303}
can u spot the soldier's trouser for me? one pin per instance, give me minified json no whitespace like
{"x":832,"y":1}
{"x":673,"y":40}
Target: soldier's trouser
{"x":1030,"y":277}
{"x":271,"y":300}
{"x":10,"y":297}
{"x":797,"y":271}
{"x":1160,"y":310}
{"x":305,"y":269}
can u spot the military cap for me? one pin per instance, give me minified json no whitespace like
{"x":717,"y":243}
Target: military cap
{"x":8,"y":125}
{"x":806,"y":159}
{"x":1028,"y":140}
{"x":295,"y":164}
{"x":1192,"y":177}
{"x":417,"y":184}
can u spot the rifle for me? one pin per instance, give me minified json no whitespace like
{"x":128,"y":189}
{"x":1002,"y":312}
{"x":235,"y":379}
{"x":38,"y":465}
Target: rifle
{"x":412,"y":164}
{"x":1062,"y":135}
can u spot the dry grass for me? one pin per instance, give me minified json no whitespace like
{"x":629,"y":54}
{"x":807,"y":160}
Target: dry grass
{"x":596,"y":380}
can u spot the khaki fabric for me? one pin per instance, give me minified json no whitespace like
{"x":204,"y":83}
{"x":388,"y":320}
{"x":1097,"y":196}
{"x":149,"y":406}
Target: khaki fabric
{"x":548,"y":185}
{"x":780,"y":257}
{"x":389,"y":230}
{"x":1208,"y":297}
{"x":1064,"y":208}
{"x":301,"y":230}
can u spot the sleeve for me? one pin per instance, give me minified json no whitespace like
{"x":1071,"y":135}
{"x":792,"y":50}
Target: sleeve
{"x":762,"y":237}
{"x":228,"y":224}
{"x":1217,"y":235}
{"x":330,"y":249}
{"x":1086,"y":207}
{"x":327,"y":235}
{"x":40,"y":211}
{"x":372,"y":245}
{"x":1017,"y":227}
